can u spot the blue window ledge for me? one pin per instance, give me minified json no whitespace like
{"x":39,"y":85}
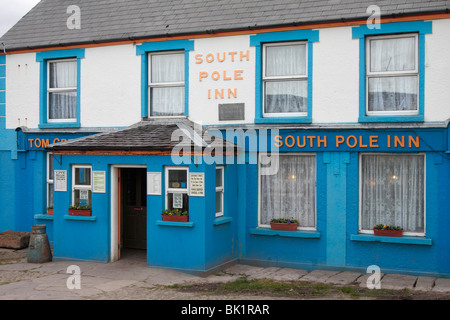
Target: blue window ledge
{"x":398,"y":240}
{"x":80,"y":218}
{"x":43,"y":217}
{"x":175,"y":224}
{"x":222,"y":220}
{"x":288,"y":234}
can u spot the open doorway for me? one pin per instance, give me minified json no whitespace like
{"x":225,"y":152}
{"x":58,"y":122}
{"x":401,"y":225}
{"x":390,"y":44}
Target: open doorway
{"x":131,"y":218}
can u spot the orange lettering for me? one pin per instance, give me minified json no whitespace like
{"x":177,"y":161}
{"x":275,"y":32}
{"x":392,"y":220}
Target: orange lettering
{"x":246,"y":55}
{"x":361,"y":145}
{"x":209,"y":57}
{"x":339,"y":140}
{"x":415,"y":141}
{"x":301,"y":145}
{"x":292,"y":139}
{"x":215,"y":75}
{"x":372,"y":141}
{"x":278,"y":141}
{"x":203,"y":74}
{"x":232,"y":53}
{"x":399,"y":142}
{"x":225,"y":76}
{"x":238,"y":74}
{"x":198,"y":58}
{"x":355,"y":141}
{"x":232,"y":93}
{"x":324,"y":141}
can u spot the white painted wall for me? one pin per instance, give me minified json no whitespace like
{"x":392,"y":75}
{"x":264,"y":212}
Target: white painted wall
{"x":336,"y":77}
{"x":437,"y":72}
{"x":110,"y":86}
{"x":111,"y":81}
{"x":22,"y":90}
{"x":204,"y":109}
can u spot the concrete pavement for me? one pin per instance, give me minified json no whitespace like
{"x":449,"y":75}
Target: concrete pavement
{"x":130,"y":277}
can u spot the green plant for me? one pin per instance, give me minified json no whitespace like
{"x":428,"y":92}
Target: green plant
{"x":282,"y":220}
{"x":174,"y":212}
{"x":79,"y":207}
{"x":387,"y":227}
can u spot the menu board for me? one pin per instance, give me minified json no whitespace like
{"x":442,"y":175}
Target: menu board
{"x":99,"y":181}
{"x":154,"y":183}
{"x":197,"y":184}
{"x":60,"y":180}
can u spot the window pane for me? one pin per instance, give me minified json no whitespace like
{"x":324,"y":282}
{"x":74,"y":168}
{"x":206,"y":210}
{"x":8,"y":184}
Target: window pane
{"x":286,"y":96}
{"x":393,"y":93}
{"x":167,"y":68}
{"x":219,"y":182}
{"x":288,"y":60}
{"x":63,"y":74}
{"x":168,"y":101}
{"x":393,"y":191}
{"x":178,"y":179}
{"x":82,"y":197}
{"x":397,"y":54}
{"x":291,"y":192}
{"x":219,"y":196}
{"x":82,"y":176}
{"x":185,"y":206}
{"x":50,"y":195}
{"x":62,"y":105}
{"x":50,"y":167}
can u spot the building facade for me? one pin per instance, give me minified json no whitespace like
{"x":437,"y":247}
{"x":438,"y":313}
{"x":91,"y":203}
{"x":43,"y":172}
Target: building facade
{"x":333,"y":121}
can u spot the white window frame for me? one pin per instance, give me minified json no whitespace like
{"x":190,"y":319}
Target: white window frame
{"x":389,"y":74}
{"x":59,"y":90}
{"x":163,"y":84}
{"x":49,"y":182}
{"x":261,"y":154}
{"x":266,"y":79}
{"x":370,"y":231}
{"x":221,"y":189}
{"x":174,"y":190}
{"x":80,"y":187}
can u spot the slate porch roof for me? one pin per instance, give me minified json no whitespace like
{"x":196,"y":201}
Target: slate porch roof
{"x":111,"y":20}
{"x":149,"y":136}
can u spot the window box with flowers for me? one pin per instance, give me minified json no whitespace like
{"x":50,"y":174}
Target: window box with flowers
{"x":175,"y":215}
{"x":387,"y":231}
{"x":50,"y":211}
{"x":284,"y":224}
{"x":84,"y":211}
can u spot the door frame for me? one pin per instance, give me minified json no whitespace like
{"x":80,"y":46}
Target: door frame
{"x":115,"y":208}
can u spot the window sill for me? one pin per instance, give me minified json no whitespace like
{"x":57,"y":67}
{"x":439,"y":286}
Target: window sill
{"x":175,"y":224}
{"x":283,"y":120}
{"x":43,"y":217}
{"x":368,"y":119}
{"x":398,"y":240}
{"x":58,"y":125}
{"x":80,"y":218}
{"x":288,"y":234}
{"x":222,"y":220}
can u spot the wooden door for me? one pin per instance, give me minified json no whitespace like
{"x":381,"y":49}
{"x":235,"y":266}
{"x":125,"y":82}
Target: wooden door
{"x":134,"y":208}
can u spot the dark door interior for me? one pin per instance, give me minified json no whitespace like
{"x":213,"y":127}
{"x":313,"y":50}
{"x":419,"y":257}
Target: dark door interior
{"x":134,"y":208}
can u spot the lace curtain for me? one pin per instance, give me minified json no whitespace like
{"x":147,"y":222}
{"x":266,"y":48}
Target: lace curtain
{"x":62,"y":90}
{"x":284,"y":91}
{"x":393,"y":191}
{"x":291,"y":192}
{"x":167,"y":84}
{"x":389,"y":92}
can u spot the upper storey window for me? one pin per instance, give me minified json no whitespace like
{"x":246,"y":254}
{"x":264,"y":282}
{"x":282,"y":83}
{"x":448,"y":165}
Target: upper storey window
{"x":166,"y":84}
{"x":285,"y":79}
{"x":62,"y":91}
{"x":392,"y":75}
{"x":392,"y":71}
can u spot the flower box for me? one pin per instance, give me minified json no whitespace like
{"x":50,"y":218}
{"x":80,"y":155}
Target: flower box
{"x":284,"y":226}
{"x":78,"y":212}
{"x":167,"y":217}
{"x":50,"y":211}
{"x":387,"y":233}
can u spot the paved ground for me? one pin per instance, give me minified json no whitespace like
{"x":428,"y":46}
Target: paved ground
{"x":131,"y":279}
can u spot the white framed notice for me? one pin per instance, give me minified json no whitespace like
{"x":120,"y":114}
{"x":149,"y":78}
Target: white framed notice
{"x":154,"y":183}
{"x":177,"y":202}
{"x":197,"y":184}
{"x":99,"y":184}
{"x":60,"y":180}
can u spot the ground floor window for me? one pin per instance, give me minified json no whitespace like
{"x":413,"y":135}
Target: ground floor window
{"x":81,"y":185}
{"x":49,"y":180}
{"x":290,"y":191}
{"x":392,"y":190}
{"x":219,"y":191}
{"x":177,"y":188}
